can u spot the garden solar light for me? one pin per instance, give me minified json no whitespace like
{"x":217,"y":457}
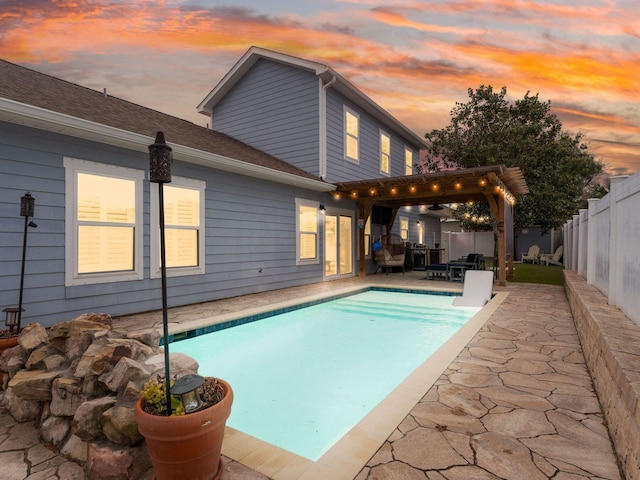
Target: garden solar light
{"x":187,"y":389}
{"x":11,"y":319}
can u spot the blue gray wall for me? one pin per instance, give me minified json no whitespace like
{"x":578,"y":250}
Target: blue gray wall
{"x":250,"y":225}
{"x":274,"y":108}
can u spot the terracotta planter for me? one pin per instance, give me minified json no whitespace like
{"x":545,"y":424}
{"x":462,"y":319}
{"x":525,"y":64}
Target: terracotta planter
{"x":186,"y":446}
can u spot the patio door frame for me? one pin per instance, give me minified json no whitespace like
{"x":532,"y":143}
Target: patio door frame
{"x":339,"y":212}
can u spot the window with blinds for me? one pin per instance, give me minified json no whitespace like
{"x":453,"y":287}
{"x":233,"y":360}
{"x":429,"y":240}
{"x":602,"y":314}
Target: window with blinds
{"x":184,"y":219}
{"x":103,"y":227}
{"x":307,"y":232}
{"x":351,"y":134}
{"x":385,"y":152}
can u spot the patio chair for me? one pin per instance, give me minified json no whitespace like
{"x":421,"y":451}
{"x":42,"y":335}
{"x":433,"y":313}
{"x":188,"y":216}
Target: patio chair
{"x":531,"y":255}
{"x":476,"y":290}
{"x":473,"y":261}
{"x":552,"y":259}
{"x":391,"y":254}
{"x":458,"y":268}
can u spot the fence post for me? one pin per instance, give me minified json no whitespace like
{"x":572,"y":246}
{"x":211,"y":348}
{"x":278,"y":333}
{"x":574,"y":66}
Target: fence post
{"x":583,"y":243}
{"x":591,"y":241}
{"x":568,"y":244}
{"x":575,"y":242}
{"x":614,"y":244}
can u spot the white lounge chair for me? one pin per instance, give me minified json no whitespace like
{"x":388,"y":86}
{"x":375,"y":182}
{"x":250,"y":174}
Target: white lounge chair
{"x":476,"y":290}
{"x":532,"y":255}
{"x":552,"y":259}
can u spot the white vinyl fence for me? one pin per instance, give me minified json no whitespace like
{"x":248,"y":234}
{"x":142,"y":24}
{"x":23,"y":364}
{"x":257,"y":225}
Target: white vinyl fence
{"x":460,"y":244}
{"x":602,"y":244}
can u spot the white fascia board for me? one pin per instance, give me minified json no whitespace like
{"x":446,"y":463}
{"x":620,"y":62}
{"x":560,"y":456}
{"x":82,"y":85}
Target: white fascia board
{"x":243,"y":65}
{"x":36,"y":117}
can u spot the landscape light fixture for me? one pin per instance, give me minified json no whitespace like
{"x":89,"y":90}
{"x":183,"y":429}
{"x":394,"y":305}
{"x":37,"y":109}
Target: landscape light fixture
{"x":160,"y":158}
{"x":11,"y":318}
{"x":187,"y":389}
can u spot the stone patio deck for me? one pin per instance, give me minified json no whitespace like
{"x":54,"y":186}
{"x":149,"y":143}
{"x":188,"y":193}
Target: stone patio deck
{"x":517,"y":402}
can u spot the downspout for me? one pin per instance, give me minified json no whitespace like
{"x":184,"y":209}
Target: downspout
{"x":323,"y":125}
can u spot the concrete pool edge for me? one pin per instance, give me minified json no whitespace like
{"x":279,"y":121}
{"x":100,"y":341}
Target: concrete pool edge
{"x":351,"y":453}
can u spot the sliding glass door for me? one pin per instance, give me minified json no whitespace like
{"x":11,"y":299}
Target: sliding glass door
{"x":338,"y":244}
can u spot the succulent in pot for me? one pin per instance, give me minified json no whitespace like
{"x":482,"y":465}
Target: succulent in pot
{"x":187,"y":443}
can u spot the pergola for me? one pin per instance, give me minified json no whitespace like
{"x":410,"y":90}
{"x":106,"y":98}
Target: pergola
{"x":497,"y":184}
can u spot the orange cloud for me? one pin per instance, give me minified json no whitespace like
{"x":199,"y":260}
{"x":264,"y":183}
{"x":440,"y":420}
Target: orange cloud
{"x":417,"y":77}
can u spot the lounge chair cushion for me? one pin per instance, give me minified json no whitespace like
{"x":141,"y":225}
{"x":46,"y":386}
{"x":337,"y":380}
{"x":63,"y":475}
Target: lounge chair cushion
{"x":476,"y":290}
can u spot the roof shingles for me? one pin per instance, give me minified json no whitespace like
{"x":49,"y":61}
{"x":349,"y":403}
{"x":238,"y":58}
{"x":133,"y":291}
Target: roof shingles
{"x":27,"y":86}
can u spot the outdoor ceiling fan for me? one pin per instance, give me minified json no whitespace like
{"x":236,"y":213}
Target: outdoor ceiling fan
{"x":435,"y":206}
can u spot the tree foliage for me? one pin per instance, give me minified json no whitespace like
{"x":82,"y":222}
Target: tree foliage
{"x":490,"y":130}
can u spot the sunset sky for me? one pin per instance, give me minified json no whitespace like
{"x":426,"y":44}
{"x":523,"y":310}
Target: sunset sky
{"x":414,"y":58}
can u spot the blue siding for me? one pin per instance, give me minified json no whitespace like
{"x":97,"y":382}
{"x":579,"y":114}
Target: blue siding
{"x":339,"y":169}
{"x":274,"y":108}
{"x":250,"y":225}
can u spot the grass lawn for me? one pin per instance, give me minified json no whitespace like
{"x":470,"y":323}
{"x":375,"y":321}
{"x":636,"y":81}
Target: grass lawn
{"x":529,"y":273}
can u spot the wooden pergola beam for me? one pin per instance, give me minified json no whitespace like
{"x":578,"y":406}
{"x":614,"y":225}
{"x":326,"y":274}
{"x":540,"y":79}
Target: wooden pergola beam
{"x":496,"y":184}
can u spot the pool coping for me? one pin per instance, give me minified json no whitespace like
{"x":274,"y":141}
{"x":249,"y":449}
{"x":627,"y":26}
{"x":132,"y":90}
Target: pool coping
{"x":346,"y":458}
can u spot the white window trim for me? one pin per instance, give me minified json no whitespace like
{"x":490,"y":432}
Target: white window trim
{"x":72,"y":167}
{"x":344,"y":116}
{"x":367,"y":238}
{"x":410,"y":151}
{"x":307,"y":203}
{"x":155,"y":231}
{"x":388,"y":172}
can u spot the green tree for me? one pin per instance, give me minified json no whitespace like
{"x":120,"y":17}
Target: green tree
{"x":490,"y":130}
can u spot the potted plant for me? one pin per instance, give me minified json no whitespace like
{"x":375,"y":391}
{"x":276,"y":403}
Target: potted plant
{"x":187,"y":443}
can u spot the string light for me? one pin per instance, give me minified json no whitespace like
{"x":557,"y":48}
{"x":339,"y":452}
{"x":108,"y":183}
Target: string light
{"x":412,"y":188}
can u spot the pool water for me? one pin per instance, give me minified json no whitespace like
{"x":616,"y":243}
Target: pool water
{"x":302,"y":379}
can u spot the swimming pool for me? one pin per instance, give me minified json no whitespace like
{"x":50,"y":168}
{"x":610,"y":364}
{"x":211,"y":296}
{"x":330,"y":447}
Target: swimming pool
{"x":304,"y":378}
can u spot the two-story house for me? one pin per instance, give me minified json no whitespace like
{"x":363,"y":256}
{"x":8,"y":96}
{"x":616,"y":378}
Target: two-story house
{"x":250,"y":206}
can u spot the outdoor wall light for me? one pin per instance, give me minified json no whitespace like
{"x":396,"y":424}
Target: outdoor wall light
{"x":322,"y":207}
{"x":187,"y":389}
{"x":11,"y":319}
{"x":160,"y":159}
